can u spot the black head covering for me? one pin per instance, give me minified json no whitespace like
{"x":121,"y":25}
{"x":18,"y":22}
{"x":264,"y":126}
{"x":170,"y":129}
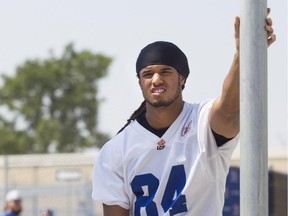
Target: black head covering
{"x":164,"y":53}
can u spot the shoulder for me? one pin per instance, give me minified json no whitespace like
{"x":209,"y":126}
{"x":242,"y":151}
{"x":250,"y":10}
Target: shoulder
{"x":206,"y":104}
{"x":197,"y":107}
{"x":117,"y":144}
{"x":190,"y":108}
{"x":119,"y":138}
{"x":196,"y":110}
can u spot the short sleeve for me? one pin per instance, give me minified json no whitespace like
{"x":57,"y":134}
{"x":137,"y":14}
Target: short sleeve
{"x":217,"y":158}
{"x":108,"y":181}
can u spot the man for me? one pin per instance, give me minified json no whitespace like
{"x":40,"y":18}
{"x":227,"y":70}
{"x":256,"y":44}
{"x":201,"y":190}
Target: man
{"x":13,"y":203}
{"x":172,"y":157}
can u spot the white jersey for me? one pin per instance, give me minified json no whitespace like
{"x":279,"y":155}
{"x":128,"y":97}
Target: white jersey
{"x":181,"y":173}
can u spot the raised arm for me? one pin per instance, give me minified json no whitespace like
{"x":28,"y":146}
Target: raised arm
{"x":224,"y":116}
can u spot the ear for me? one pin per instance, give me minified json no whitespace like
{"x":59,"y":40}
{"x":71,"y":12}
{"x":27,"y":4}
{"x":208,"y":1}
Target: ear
{"x":182,"y":80}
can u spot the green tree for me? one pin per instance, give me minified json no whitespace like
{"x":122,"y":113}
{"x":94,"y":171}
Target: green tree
{"x":56,"y":101}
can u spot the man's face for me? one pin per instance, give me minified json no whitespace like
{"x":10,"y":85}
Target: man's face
{"x":161,"y":85}
{"x":15,"y":206}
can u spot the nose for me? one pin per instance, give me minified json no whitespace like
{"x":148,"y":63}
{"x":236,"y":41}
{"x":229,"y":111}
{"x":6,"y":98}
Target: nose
{"x":156,"y":79}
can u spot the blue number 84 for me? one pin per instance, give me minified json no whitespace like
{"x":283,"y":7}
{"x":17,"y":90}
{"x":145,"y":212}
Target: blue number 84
{"x":175,"y":204}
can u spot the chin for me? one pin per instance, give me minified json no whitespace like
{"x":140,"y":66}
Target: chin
{"x":158,"y":104}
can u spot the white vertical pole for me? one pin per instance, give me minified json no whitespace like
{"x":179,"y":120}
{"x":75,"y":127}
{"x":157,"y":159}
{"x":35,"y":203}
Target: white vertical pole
{"x":253,"y":109}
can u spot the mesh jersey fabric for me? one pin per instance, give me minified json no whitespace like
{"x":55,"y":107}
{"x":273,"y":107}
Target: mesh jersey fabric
{"x":130,"y":172}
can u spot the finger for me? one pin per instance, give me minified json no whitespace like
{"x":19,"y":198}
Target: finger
{"x":271,"y":39}
{"x":268,"y":11}
{"x":237,"y":27}
{"x":269,"y":21}
{"x":269,"y":29}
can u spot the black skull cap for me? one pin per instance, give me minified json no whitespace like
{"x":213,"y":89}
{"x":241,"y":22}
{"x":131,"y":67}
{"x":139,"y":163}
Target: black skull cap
{"x":163,"y":53}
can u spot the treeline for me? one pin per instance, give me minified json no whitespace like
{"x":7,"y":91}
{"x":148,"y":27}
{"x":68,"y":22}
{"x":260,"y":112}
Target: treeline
{"x":52,"y":105}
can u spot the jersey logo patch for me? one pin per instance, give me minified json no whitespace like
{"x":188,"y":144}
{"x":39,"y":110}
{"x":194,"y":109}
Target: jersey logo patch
{"x":186,"y":128}
{"x":161,"y":144}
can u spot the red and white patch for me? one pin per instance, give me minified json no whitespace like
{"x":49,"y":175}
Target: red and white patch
{"x":161,"y":144}
{"x":186,"y":129}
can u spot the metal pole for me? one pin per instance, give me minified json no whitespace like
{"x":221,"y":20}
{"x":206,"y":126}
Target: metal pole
{"x":253,"y":109}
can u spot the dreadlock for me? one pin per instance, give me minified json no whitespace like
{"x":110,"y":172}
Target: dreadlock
{"x":163,"y":53}
{"x":135,"y":115}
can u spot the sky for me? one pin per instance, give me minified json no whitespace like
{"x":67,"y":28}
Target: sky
{"x":203,"y":29}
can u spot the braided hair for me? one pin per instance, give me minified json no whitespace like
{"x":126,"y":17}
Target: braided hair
{"x":135,"y":115}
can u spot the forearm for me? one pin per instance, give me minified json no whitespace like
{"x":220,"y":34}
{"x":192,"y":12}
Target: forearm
{"x":224,"y":115}
{"x":230,"y":96}
{"x":225,"y":112}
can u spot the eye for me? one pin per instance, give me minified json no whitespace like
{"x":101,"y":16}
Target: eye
{"x":147,"y":74}
{"x":166,"y":72}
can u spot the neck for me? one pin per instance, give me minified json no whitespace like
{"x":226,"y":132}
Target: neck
{"x":163,"y":117}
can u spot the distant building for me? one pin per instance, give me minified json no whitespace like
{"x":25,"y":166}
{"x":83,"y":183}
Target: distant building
{"x":63,"y":183}
{"x":277,"y":163}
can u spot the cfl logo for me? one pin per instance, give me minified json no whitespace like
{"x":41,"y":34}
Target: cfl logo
{"x":161,"y":144}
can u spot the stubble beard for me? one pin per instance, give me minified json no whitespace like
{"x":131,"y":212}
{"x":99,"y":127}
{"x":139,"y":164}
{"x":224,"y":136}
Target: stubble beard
{"x":167,"y":103}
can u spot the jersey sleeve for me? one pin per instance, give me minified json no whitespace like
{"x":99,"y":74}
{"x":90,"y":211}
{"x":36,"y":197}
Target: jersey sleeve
{"x":217,"y":158}
{"x":108,"y":181}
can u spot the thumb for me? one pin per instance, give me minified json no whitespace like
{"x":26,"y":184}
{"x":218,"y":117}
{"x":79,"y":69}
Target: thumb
{"x":237,"y":27}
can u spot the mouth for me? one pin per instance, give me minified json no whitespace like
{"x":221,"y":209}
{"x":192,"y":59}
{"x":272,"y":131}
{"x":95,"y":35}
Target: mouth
{"x":158,"y":91}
